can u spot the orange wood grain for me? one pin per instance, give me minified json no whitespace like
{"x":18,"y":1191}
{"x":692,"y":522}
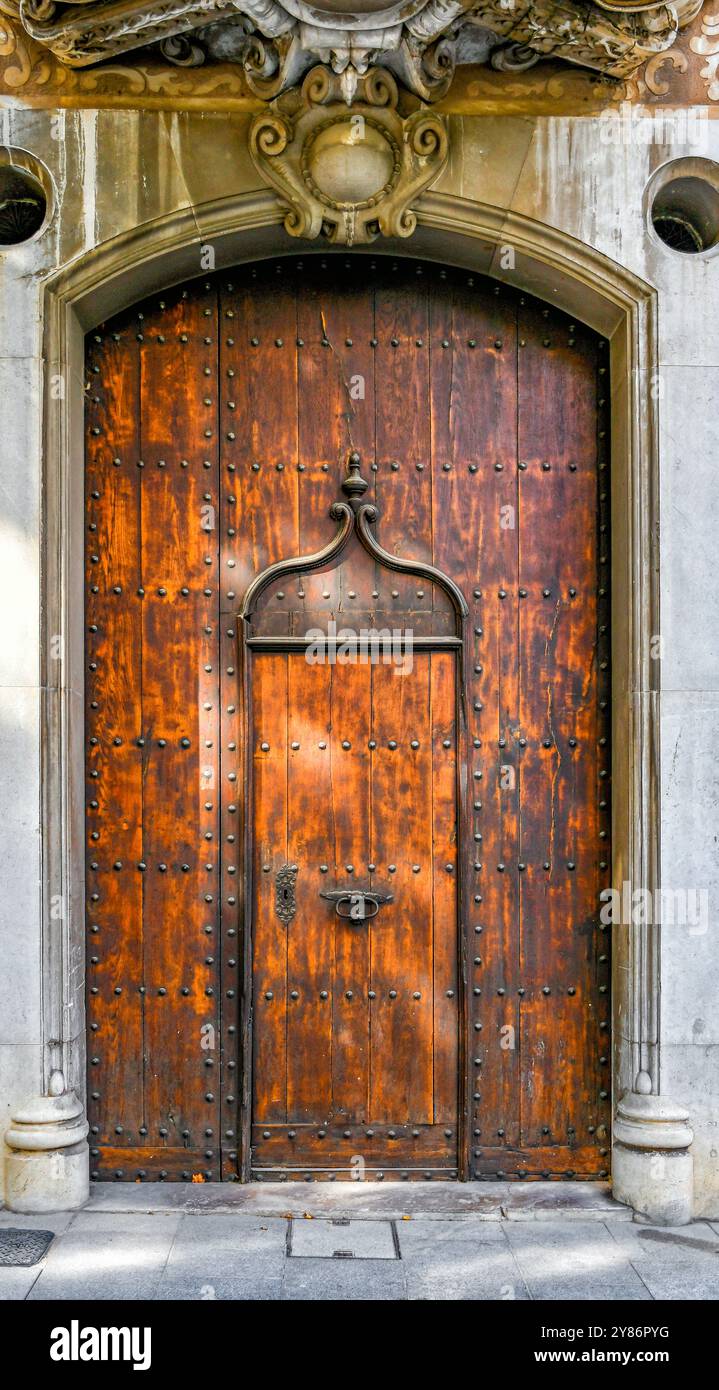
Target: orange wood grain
{"x":231,"y":405}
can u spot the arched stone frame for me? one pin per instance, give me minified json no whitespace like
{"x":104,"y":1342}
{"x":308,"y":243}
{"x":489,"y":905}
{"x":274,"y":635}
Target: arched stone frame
{"x":651,"y":1165}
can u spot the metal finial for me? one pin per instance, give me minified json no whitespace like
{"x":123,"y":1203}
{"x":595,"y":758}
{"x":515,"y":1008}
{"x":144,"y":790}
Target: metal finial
{"x":354,"y":485}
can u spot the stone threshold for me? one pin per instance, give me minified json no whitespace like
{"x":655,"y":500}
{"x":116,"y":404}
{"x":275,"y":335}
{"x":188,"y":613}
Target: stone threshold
{"x":537,"y":1201}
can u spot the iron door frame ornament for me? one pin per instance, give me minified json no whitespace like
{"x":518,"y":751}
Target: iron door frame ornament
{"x":355,"y":516}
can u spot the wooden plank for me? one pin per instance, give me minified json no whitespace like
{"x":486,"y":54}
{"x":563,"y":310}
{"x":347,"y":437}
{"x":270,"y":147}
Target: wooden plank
{"x":229,"y":941}
{"x":445,"y":866}
{"x":559,"y":714}
{"x":310,"y":945}
{"x":258,"y":394}
{"x":159,"y":1164}
{"x":343,"y":1145}
{"x":349,"y":842}
{"x":336,"y":407}
{"x":545,"y":1162}
{"x":268,"y":742}
{"x":180,"y":695}
{"x":475,"y":539}
{"x":401,"y":936}
{"x":113,"y":724}
{"x":403,"y":1173}
{"x":402,"y":425}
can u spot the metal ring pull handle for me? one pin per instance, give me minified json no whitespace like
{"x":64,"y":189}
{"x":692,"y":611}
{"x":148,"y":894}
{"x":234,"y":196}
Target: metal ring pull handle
{"x":361,"y":904}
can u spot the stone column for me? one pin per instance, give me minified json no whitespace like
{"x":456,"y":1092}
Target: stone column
{"x":42,"y":1032}
{"x":652,"y":1169}
{"x":48,"y":1165}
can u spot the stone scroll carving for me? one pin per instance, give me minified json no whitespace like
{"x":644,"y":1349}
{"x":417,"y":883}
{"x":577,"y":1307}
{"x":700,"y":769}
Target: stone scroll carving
{"x":276,"y":42}
{"x":346,"y":136}
{"x":349,"y":169}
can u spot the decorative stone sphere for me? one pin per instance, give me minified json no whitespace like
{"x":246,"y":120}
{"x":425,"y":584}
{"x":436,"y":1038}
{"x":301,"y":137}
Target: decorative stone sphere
{"x":350,"y":161}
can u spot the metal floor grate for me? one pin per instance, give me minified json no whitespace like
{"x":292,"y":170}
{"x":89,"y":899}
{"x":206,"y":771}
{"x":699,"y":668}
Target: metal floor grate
{"x":19,"y":1247}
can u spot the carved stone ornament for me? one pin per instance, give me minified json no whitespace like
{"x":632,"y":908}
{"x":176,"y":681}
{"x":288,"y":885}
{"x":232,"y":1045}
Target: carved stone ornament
{"x":353,"y":171}
{"x":276,"y":42}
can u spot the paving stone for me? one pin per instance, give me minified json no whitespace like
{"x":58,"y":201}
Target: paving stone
{"x":179,"y":1256}
{"x":208,"y":1247}
{"x":109,"y":1245}
{"x":57,"y":1221}
{"x":681,"y":1282}
{"x":142,"y":1196}
{"x":344,"y":1280}
{"x":574,"y":1260}
{"x":154,"y":1225}
{"x":669,"y":1243}
{"x":94,"y":1288}
{"x":468,"y":1285}
{"x":461,"y":1263}
{"x":360,"y":1239}
{"x":261,"y":1231}
{"x":103,"y":1265}
{"x":673,"y":1262}
{"x":106,"y":1262}
{"x":16,"y":1283}
{"x":248,"y":1284}
{"x":427,"y":1238}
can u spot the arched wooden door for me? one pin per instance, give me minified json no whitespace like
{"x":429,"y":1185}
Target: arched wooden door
{"x":239,"y":1022}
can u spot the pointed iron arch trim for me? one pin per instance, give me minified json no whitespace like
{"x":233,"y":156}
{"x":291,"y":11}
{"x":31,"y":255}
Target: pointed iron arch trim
{"x":302,"y":564}
{"x":359,"y":519}
{"x":366,"y":513}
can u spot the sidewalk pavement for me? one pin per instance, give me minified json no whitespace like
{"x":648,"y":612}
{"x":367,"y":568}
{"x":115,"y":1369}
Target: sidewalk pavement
{"x":365,"y":1242}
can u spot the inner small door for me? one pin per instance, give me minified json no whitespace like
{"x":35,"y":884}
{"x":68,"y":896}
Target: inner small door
{"x":355,"y":940}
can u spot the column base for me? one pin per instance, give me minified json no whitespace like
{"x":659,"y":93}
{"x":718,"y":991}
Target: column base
{"x":48,"y":1168}
{"x":652,"y":1169}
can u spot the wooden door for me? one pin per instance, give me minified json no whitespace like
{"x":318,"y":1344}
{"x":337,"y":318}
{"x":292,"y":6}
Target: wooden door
{"x":220,"y":419}
{"x":355,"y":1015}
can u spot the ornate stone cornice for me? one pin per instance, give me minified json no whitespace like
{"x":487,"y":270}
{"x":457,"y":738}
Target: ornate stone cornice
{"x":347,"y":137}
{"x":276,"y":42}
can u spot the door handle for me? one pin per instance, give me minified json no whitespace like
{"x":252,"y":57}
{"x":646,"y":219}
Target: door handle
{"x":361,"y":904}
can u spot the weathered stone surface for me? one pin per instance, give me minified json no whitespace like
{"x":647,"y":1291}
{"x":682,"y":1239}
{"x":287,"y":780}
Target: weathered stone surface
{"x":174,"y":1256}
{"x":364,"y":1281}
{"x":673,"y":1263}
{"x":579,"y":1261}
{"x":96,"y":1260}
{"x":432,"y":1201}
